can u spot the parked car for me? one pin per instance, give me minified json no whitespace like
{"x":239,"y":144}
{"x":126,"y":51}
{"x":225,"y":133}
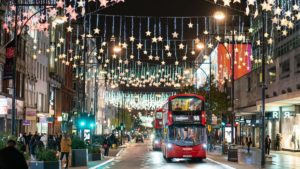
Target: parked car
{"x":139,"y":138}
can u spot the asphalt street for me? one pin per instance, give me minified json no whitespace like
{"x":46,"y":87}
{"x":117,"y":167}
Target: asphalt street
{"x":141,"y":156}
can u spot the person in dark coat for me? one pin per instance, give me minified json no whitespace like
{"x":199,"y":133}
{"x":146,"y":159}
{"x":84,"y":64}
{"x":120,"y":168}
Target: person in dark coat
{"x":11,"y":158}
{"x":106,"y":146}
{"x":268,"y":144}
{"x":249,"y":142}
{"x":33,"y":145}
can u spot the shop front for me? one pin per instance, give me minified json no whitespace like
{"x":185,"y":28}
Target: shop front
{"x":30,"y":120}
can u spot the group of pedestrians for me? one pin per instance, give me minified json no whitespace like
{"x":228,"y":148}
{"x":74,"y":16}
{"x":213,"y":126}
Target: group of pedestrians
{"x":268,"y":143}
{"x":11,"y":157}
{"x":32,"y":142}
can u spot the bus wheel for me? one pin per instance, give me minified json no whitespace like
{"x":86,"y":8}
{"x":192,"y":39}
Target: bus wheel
{"x":168,"y":160}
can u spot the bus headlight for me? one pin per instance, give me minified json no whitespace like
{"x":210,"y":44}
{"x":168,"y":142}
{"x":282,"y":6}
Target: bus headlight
{"x":169,"y":145}
{"x":152,"y":136}
{"x":204,"y":146}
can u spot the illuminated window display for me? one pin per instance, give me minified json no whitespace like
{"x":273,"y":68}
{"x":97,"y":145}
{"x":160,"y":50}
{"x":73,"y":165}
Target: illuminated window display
{"x":290,"y":131}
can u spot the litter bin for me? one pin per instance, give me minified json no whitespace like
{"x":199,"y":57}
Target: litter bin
{"x":233,"y":153}
{"x":224,"y":148}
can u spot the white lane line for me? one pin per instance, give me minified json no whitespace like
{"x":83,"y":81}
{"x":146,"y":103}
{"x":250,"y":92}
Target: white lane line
{"x":224,"y":165}
{"x":102,"y":164}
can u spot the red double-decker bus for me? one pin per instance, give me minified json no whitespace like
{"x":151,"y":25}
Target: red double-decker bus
{"x":184,"y":127}
{"x":158,"y":126}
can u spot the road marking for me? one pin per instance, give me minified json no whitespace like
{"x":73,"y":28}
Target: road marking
{"x":102,"y":164}
{"x":224,"y":165}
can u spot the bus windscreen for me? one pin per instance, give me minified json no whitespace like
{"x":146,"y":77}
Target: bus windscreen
{"x":186,"y":104}
{"x":187,"y":135}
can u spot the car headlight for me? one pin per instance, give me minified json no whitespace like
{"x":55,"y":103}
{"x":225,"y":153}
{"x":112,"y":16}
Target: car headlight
{"x":204,"y":146}
{"x":169,"y":145}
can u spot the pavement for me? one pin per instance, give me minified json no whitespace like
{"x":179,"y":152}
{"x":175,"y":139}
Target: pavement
{"x":276,"y":159}
{"x":111,"y":156}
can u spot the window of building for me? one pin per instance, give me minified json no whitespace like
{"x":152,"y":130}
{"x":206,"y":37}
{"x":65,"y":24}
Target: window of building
{"x":297,"y":64}
{"x":272,"y":74}
{"x":248,"y":84}
{"x":285,"y":69}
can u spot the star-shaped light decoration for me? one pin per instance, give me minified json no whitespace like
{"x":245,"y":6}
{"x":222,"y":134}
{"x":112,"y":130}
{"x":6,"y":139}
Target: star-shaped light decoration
{"x":210,"y":45}
{"x":126,"y":62}
{"x":277,"y":11}
{"x":69,"y":29}
{"x":150,"y":57}
{"x":176,"y":62}
{"x":59,"y":4}
{"x":184,"y":57}
{"x":160,"y":38}
{"x":288,"y":13}
{"x":236,"y":1}
{"x":52,"y":12}
{"x":167,"y":47}
{"x":258,"y":42}
{"x":131,"y":38}
{"x":193,"y":52}
{"x":226,"y":2}
{"x":190,"y":25}
{"x":175,"y":34}
{"x":295,"y":7}
{"x":163,"y":63}
{"x":218,"y":38}
{"x":103,"y":3}
{"x":148,"y":33}
{"x":124,"y":45}
{"x":205,"y":32}
{"x":181,"y":46}
{"x":101,"y":50}
{"x":69,"y":9}
{"x":266,"y":6}
{"x":156,"y":58}
{"x":80,"y":3}
{"x":270,"y":41}
{"x":139,"y":46}
{"x":96,"y":31}
{"x":139,"y":62}
{"x":131,"y":56}
{"x":169,"y":54}
{"x":73,"y":15}
{"x":275,"y":20}
{"x":145,"y":52}
{"x":284,"y":33}
{"x":154,"y":40}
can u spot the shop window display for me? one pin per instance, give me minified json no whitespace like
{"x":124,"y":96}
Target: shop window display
{"x":290,"y":132}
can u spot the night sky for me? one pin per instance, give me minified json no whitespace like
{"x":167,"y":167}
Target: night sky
{"x":166,"y":8}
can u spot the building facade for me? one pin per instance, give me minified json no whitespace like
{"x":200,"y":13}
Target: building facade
{"x":282,"y":96}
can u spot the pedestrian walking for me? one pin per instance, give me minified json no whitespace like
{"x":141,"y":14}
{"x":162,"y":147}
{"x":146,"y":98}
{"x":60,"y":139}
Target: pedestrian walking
{"x":11,"y":158}
{"x":51,"y":143}
{"x":65,"y":148}
{"x":277,"y":142}
{"x":22,"y":143}
{"x":32,"y":146}
{"x":44,"y":139}
{"x":268,"y":144}
{"x":249,"y":142}
{"x":106,"y":146}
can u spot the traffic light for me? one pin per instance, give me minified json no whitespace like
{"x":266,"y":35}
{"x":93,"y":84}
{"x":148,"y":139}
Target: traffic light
{"x":86,"y":121}
{"x":224,"y":120}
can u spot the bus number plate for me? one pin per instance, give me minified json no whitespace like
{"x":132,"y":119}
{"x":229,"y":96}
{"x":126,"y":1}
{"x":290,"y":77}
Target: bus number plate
{"x":186,"y":149}
{"x":186,"y":156}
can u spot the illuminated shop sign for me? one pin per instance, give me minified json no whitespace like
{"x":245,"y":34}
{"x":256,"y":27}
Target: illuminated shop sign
{"x":284,"y":115}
